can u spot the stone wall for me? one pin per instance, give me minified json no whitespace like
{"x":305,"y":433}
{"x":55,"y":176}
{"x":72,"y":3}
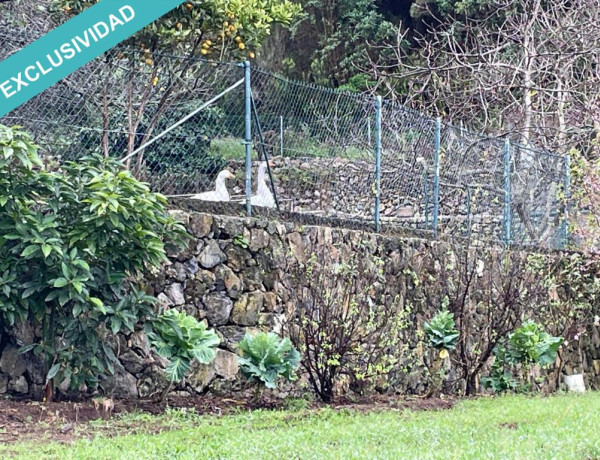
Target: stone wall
{"x":343,"y":187}
{"x":233,"y":274}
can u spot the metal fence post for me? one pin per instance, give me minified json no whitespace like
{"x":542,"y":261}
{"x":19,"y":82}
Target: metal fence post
{"x":264,"y":152}
{"x":436,"y":175}
{"x":565,"y":230}
{"x":426,"y":194}
{"x":248,"y":135}
{"x":378,"y":104}
{"x":281,"y":135}
{"x":507,"y":214}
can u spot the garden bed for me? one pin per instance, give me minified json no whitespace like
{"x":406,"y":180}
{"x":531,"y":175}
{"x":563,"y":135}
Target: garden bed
{"x":63,"y":421}
{"x":515,"y":426}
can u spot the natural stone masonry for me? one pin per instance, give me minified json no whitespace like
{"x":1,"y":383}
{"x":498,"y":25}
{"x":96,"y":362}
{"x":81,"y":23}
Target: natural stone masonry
{"x":233,"y":275}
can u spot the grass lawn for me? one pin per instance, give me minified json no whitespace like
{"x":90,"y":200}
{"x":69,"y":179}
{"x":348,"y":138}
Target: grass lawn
{"x":564,"y":426}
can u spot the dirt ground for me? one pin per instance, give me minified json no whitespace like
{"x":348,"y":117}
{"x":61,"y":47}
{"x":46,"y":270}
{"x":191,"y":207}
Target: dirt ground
{"x":63,"y":421}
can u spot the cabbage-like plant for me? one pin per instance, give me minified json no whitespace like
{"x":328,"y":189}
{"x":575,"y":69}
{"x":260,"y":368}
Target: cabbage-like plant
{"x":266,"y":357}
{"x":530,"y":344}
{"x":440,"y":332}
{"x":181,"y":339}
{"x":441,"y":336}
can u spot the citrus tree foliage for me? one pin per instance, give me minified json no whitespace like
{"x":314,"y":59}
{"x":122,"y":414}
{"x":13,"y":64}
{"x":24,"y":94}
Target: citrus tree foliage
{"x":181,"y":339}
{"x":73,"y":244}
{"x":210,"y":27}
{"x":266,"y":357}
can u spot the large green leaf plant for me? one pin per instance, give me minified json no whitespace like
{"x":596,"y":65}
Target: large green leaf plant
{"x":440,"y":331}
{"x":74,"y":244}
{"x":266,"y":357}
{"x":181,"y":339}
{"x":530,"y":344}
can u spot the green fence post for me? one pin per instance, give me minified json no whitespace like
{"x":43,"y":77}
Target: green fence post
{"x":436,"y":175}
{"x":507,"y":214}
{"x":248,"y":135}
{"x":567,"y":186}
{"x":378,"y":104}
{"x":281,"y":135}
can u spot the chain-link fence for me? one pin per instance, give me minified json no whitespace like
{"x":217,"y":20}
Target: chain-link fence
{"x":181,"y":121}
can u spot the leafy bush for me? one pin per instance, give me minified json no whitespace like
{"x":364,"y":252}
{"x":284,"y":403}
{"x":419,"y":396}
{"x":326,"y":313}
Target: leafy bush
{"x":488,"y":291}
{"x":500,"y":379}
{"x":181,"y":339}
{"x":440,"y":332}
{"x":266,"y":357}
{"x":443,"y":337}
{"x":73,"y":247}
{"x":343,"y":322}
{"x":530,"y":344}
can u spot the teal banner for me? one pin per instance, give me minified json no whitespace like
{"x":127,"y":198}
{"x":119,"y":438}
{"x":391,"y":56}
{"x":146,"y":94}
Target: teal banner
{"x":72,"y":45}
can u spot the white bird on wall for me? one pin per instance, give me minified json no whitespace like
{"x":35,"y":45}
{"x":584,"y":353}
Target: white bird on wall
{"x":220,"y":193}
{"x":263,"y":196}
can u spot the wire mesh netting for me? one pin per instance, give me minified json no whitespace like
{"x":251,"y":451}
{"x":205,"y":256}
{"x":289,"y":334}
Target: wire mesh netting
{"x":323,"y":143}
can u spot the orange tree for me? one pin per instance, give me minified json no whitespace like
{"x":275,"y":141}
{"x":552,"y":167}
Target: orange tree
{"x":211,"y":29}
{"x":206,"y":27}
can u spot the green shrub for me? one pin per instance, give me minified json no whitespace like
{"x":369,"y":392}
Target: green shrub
{"x":266,"y":357}
{"x":73,"y":247}
{"x":440,"y":332}
{"x":530,"y":344}
{"x":500,"y":379}
{"x":342,"y":322}
{"x":181,"y":339}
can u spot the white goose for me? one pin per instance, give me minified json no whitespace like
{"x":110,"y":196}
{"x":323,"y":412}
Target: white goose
{"x":220,"y":193}
{"x":263,"y":196}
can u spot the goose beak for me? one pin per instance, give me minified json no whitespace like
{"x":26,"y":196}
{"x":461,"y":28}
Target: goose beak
{"x":271,"y":163}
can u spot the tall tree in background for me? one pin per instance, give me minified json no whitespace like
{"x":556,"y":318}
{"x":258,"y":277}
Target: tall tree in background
{"x":526,"y":68}
{"x":331,"y":36}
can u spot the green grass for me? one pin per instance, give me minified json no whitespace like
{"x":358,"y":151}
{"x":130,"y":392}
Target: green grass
{"x":228,"y":148}
{"x":231,"y":148}
{"x":564,"y":426}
